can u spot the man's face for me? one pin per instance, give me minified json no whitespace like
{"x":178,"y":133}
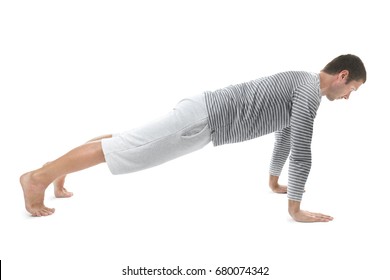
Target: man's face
{"x":340,"y":89}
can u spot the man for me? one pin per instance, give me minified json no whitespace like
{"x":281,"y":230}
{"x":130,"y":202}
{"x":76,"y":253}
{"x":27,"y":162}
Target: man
{"x":284,"y":103}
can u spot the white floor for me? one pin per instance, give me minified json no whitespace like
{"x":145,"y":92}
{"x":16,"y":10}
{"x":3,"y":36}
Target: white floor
{"x":83,"y":69}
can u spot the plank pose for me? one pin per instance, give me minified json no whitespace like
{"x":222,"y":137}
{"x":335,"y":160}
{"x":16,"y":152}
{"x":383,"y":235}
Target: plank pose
{"x":285,"y":103}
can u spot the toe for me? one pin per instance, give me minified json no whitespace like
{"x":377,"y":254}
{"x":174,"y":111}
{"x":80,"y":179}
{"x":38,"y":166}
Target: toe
{"x":66,"y":193}
{"x":36,"y":214}
{"x":49,"y":210}
{"x":46,"y":212}
{"x":41,"y":212}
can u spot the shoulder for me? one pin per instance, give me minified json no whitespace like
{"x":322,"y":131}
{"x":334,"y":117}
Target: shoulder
{"x":297,"y":75}
{"x":295,"y":78}
{"x":300,"y":77}
{"x":307,"y":94}
{"x":307,"y":83}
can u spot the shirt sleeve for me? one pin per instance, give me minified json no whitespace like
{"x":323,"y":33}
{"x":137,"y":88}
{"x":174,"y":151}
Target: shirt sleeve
{"x":281,"y":151}
{"x":303,"y":112}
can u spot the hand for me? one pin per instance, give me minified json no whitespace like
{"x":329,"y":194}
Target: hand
{"x":279,"y":188}
{"x":275,"y":186}
{"x":294,"y":208}
{"x":310,"y":217}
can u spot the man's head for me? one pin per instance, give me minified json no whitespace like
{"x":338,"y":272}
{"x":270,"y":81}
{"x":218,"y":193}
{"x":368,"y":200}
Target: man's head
{"x":345,"y":73}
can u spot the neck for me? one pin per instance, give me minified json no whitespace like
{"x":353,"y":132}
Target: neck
{"x":325,"y":82}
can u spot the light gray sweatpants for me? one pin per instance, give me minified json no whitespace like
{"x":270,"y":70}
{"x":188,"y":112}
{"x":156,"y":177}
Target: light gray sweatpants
{"x":182,"y":131}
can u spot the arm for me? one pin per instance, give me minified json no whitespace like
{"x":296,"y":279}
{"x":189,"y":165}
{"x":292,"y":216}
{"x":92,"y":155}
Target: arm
{"x":302,"y":119}
{"x":279,"y":157}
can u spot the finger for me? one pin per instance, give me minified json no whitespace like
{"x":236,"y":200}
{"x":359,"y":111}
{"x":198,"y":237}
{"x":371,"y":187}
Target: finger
{"x":316,"y":217}
{"x":321,"y":217}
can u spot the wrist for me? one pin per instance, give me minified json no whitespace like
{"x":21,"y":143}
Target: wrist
{"x":273,"y":181}
{"x":293,"y":207}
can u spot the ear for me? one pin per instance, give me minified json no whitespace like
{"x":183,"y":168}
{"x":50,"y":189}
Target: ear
{"x":343,"y":75}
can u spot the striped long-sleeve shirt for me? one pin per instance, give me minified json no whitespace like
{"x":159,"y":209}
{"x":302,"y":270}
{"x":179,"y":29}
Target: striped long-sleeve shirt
{"x":285,"y":103}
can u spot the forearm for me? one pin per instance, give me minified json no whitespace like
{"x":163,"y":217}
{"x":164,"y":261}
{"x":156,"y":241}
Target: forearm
{"x":298,"y":173}
{"x":280,"y":152}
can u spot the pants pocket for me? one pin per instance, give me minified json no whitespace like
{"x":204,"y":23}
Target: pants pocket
{"x":195,"y":130}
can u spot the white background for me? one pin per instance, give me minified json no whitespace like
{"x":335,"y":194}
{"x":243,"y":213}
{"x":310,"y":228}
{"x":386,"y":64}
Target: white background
{"x":73,"y":70}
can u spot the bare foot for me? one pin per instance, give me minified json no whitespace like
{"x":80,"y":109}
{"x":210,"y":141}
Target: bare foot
{"x":59,"y":190}
{"x":34,"y":194}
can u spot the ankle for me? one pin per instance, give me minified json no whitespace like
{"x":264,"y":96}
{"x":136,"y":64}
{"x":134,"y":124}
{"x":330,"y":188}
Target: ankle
{"x":38,"y":177}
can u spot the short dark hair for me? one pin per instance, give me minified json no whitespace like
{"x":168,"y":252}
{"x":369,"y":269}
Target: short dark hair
{"x":350,"y":62}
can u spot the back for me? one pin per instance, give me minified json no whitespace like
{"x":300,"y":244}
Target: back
{"x":252,"y":109}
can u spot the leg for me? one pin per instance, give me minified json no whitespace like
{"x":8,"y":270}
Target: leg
{"x":183,"y":130}
{"x":59,"y":189}
{"x":34,"y":183}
